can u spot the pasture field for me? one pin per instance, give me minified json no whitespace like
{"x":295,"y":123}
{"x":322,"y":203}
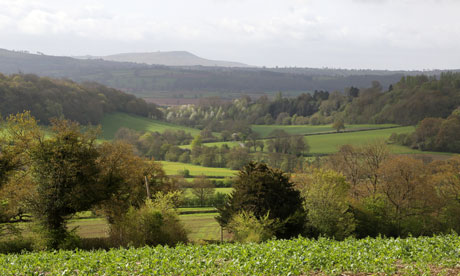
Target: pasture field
{"x":199,"y":226}
{"x":112,"y":122}
{"x":203,"y":227}
{"x":188,"y":192}
{"x":330,"y":143}
{"x":173,"y":168}
{"x":439,"y":255}
{"x":265,"y":130}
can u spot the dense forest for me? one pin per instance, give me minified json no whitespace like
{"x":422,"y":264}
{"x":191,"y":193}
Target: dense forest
{"x":85,"y":103}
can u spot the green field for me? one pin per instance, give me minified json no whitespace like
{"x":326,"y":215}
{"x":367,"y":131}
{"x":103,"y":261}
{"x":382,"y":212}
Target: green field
{"x":438,"y":255}
{"x":203,"y":227}
{"x":173,"y":168}
{"x":199,"y":226}
{"x":188,"y":191}
{"x":265,"y":130}
{"x":330,"y":143}
{"x":114,"y":121}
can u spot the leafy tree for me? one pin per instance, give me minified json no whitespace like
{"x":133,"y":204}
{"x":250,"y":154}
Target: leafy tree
{"x":64,"y":168}
{"x":408,"y":194}
{"x":338,"y":125}
{"x":325,"y":194}
{"x":203,"y":189}
{"x":18,"y":134}
{"x":237,"y":157}
{"x":262,"y":190}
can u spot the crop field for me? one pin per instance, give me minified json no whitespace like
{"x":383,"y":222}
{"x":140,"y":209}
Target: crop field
{"x":173,"y":168}
{"x":438,"y":255}
{"x":264,"y":130}
{"x":112,"y":122}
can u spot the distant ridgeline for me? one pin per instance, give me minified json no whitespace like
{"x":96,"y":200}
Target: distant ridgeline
{"x":168,"y":81}
{"x":85,"y":103}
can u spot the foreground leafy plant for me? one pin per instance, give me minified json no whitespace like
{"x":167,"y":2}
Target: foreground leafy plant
{"x":415,"y":256}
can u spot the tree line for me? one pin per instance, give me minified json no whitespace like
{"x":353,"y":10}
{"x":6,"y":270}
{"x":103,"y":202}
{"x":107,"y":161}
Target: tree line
{"x":282,"y":151}
{"x":359,"y":192}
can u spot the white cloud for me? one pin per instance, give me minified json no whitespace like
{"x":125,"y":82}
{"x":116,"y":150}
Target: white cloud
{"x":345,"y":33}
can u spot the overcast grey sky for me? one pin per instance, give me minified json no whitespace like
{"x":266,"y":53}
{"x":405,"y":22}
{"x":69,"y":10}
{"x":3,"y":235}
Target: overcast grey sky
{"x":377,"y":34}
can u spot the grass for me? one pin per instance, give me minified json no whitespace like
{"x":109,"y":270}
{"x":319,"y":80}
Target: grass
{"x":265,"y":130}
{"x":202,"y":227}
{"x":173,"y":168}
{"x":114,"y":121}
{"x":330,"y":143}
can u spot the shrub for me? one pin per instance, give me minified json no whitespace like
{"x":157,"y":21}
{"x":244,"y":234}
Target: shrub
{"x":156,"y":222}
{"x":246,"y":227}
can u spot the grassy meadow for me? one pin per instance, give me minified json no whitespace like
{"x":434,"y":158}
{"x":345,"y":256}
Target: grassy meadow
{"x":265,"y":130}
{"x":174,"y":168}
{"x":112,"y":122}
{"x":330,"y":143}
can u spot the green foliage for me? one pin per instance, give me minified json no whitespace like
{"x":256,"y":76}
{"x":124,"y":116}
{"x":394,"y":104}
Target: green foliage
{"x":325,"y":194}
{"x":85,"y":103}
{"x":248,"y":228}
{"x":435,"y":134}
{"x":411,"y":256}
{"x":156,"y":222}
{"x":412,"y":99}
{"x":338,"y":125}
{"x":65,"y":170}
{"x":260,"y":189}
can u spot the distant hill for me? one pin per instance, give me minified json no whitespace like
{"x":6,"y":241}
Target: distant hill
{"x":195,"y":81}
{"x":173,"y":58}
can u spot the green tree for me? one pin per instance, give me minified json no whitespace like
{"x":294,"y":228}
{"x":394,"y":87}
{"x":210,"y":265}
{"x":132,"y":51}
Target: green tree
{"x":325,"y":195}
{"x":203,"y":189}
{"x":66,"y":174}
{"x":338,"y":125}
{"x":260,"y":189}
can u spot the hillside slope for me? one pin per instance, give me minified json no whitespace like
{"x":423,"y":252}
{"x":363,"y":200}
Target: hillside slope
{"x":85,"y":103}
{"x":111,"y":123}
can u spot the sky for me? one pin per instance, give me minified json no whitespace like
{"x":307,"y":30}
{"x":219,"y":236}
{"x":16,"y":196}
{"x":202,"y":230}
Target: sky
{"x":355,"y":34}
